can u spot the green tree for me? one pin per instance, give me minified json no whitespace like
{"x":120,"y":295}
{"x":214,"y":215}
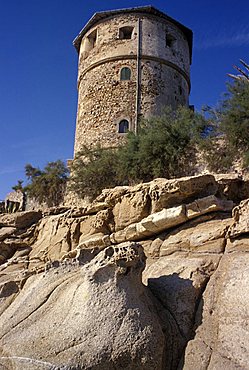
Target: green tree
{"x":48,"y":185}
{"x":218,"y":155}
{"x":235,"y":117}
{"x":18,"y":186}
{"x":92,"y":170}
{"x":228,"y":141}
{"x":163,"y":147}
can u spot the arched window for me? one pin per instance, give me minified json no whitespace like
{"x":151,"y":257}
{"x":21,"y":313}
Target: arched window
{"x":125,"y":74}
{"x":123,"y":126}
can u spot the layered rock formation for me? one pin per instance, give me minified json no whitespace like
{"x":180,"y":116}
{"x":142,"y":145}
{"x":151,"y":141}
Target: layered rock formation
{"x":71,"y":292}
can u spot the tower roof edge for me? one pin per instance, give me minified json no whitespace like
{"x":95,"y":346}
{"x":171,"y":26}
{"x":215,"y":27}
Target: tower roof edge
{"x":149,"y":9}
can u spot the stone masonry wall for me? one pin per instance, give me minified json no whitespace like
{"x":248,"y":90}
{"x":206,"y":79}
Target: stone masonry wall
{"x":104,"y":100}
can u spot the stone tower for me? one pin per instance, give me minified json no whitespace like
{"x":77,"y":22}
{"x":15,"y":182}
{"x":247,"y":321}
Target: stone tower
{"x":132,"y":62}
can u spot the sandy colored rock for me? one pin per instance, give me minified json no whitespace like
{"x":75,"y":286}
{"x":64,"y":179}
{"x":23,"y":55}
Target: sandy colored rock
{"x":20,"y":220}
{"x":99,"y":240}
{"x":102,"y":222}
{"x":241,"y":219}
{"x":241,"y":244}
{"x":196,"y":270}
{"x":131,"y":208}
{"x":222,"y":338}
{"x":153,"y":224}
{"x":178,"y":282}
{"x":207,"y":205}
{"x":6,"y":231}
{"x":109,"y":197}
{"x":167,"y":218}
{"x":161,"y":193}
{"x":233,"y":186}
{"x":55,"y":236}
{"x":167,"y":193}
{"x":206,"y":236}
{"x":107,"y":321}
{"x":152,"y":246}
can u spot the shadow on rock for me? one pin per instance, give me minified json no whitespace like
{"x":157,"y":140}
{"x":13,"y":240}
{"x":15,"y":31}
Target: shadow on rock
{"x":180,"y":309}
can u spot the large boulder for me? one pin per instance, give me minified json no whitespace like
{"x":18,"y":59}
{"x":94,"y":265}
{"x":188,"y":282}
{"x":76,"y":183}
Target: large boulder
{"x":207,"y":236}
{"x":132,"y":203}
{"x":222,"y":338}
{"x":170,"y":217}
{"x":5,"y":232}
{"x":131,"y":207}
{"x":167,"y":193}
{"x":188,"y":256}
{"x":20,"y":220}
{"x":95,"y":316}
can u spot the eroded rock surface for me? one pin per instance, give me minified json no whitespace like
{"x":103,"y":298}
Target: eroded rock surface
{"x":71,"y":296}
{"x":95,"y":316}
{"x":222,"y":339}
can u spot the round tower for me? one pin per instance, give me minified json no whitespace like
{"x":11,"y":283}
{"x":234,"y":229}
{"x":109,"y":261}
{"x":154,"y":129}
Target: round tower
{"x":132,"y":63}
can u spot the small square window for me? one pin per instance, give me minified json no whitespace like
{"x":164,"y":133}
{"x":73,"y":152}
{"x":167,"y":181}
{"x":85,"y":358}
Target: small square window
{"x":125,"y":33}
{"x":170,"y":40}
{"x":92,"y":38}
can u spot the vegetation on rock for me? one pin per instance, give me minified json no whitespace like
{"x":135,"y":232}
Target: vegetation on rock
{"x":18,"y":186}
{"x":163,"y":147}
{"x":48,"y":185}
{"x":235,"y":117}
{"x":166,"y":146}
{"x":92,"y":170}
{"x":228,"y":140}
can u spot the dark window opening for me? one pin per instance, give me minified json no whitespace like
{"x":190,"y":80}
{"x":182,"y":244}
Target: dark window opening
{"x":92,"y":38}
{"x":125,"y":33}
{"x":170,"y":40}
{"x":123,"y":126}
{"x":125,"y":74}
{"x":180,"y":90}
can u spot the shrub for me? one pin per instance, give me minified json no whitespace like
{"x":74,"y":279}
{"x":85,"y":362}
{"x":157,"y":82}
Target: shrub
{"x":235,"y":118}
{"x":163,"y":147}
{"x":228,"y":141}
{"x":92,"y":170}
{"x":47,"y":186}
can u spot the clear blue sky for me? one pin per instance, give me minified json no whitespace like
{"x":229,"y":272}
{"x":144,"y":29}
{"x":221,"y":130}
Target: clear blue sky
{"x":38,"y":69}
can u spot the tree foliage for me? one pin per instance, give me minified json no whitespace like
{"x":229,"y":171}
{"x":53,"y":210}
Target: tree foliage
{"x":48,"y":185}
{"x":18,"y":186}
{"x":235,"y":116}
{"x":92,"y":170}
{"x":163,"y":147}
{"x":228,"y":140}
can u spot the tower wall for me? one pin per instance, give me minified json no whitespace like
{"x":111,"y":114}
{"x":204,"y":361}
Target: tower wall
{"x":104,"y":99}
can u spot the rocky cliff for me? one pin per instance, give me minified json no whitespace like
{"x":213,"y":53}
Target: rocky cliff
{"x":153,"y":276}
